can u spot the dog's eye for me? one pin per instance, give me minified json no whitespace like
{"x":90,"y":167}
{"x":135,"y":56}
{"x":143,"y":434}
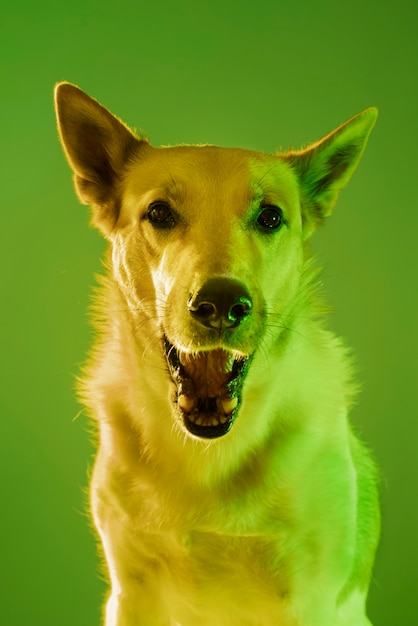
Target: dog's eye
{"x":270,"y":218}
{"x":160,"y":215}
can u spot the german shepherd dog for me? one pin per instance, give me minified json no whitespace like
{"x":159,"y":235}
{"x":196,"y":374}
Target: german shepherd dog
{"x":228,"y":487}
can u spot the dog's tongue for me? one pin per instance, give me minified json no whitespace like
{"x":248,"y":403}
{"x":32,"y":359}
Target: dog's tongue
{"x":209,"y":371}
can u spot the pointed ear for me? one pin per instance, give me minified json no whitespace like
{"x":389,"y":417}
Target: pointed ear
{"x":325,"y":167}
{"x":98,"y":147}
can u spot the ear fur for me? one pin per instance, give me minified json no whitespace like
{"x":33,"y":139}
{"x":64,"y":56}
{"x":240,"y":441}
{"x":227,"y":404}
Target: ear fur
{"x":97,"y":146}
{"x":325,"y":167}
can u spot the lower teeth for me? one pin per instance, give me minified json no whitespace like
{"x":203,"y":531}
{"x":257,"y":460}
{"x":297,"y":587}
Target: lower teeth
{"x":229,"y":405}
{"x":186,"y":403}
{"x":214,"y":421}
{"x":190,"y":406}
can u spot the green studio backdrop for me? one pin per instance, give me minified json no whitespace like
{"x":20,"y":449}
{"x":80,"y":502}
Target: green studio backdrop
{"x":260,"y":75}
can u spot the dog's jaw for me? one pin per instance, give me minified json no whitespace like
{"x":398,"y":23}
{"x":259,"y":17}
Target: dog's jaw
{"x":208,"y":388}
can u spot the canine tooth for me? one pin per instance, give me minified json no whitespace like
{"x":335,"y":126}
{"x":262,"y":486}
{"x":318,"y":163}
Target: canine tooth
{"x":223,"y":419}
{"x":229,"y":405}
{"x":198,"y":421}
{"x":186,"y":403}
{"x":215,"y":421}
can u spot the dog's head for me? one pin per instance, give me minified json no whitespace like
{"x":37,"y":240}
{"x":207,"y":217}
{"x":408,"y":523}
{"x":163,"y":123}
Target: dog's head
{"x":207,"y":242}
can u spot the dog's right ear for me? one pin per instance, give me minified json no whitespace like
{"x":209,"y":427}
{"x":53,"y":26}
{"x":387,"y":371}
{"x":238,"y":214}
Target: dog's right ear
{"x":98,"y":147}
{"x":326,"y":166}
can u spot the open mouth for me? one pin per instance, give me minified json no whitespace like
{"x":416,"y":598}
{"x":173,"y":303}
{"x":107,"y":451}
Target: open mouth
{"x":209,"y":385}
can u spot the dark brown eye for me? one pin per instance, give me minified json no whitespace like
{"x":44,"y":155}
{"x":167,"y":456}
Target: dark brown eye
{"x":161,"y":215}
{"x":270,"y":218}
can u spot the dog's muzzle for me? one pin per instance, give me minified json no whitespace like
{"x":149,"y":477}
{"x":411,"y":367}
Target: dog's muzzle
{"x":209,"y":382}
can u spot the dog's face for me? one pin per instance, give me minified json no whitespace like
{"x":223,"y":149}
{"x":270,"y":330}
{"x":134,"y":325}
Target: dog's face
{"x":201,"y":233}
{"x":207,"y":243}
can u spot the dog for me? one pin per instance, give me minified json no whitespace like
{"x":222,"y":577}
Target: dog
{"x":229,"y":488}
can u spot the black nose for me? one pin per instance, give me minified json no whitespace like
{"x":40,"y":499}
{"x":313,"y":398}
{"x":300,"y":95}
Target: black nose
{"x":220,"y":303}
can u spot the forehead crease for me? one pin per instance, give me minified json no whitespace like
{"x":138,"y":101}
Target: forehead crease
{"x":271,"y":177}
{"x":209,"y":161}
{"x":265,"y":173}
{"x":192,"y":170}
{"x":204,"y":169}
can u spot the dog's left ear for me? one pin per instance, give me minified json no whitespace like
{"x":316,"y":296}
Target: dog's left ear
{"x":98,"y":146}
{"x":325,"y":167}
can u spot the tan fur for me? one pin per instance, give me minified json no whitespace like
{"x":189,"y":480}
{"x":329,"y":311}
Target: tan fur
{"x":275,"y":522}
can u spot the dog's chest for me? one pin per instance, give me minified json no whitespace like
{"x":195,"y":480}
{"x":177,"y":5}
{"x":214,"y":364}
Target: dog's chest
{"x":234,"y":580}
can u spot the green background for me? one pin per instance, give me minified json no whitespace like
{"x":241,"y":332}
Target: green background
{"x":260,"y":75}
